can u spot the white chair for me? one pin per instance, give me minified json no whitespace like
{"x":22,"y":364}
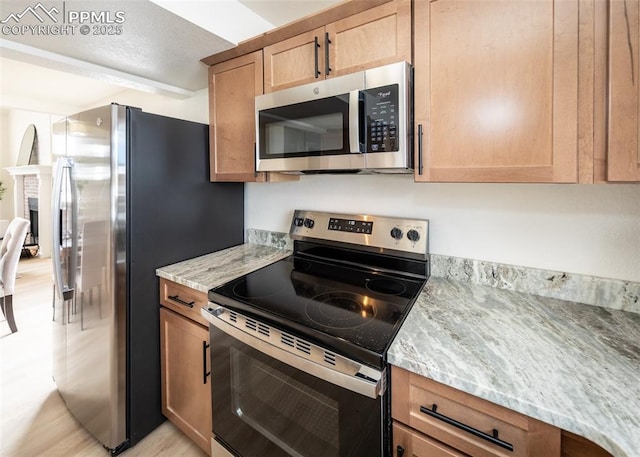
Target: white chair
{"x":9,"y":256}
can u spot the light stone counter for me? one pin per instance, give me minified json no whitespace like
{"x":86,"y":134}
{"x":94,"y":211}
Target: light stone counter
{"x":571,"y":365}
{"x":478,"y":328}
{"x":210,"y":270}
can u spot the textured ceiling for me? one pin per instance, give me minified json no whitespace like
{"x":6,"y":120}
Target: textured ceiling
{"x":150,"y":46}
{"x":150,"y":43}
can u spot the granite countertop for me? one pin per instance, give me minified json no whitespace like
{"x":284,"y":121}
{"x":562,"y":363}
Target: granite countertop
{"x":571,"y":365}
{"x":210,"y":270}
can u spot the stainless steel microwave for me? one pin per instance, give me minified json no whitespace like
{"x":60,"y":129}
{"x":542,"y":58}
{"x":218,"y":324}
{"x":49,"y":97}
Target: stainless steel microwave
{"x":360,"y":122}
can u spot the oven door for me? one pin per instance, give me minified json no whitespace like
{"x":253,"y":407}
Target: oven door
{"x":263,"y":406}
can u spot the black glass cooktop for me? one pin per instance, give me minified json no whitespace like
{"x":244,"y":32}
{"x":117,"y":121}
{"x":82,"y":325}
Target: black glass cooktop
{"x":355,"y":311}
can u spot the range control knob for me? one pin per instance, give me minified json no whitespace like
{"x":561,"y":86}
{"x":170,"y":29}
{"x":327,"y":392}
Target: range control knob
{"x":309,"y":223}
{"x":298,"y":221}
{"x":396,"y":233}
{"x":413,"y":235}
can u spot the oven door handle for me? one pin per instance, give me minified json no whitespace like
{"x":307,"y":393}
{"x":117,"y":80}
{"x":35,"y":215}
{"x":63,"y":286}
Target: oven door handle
{"x":364,"y":384}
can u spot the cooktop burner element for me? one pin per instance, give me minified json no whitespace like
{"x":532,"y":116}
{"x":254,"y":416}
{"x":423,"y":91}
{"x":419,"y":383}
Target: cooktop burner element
{"x":243,"y":290}
{"x":340,"y":309}
{"x":385,"y":286}
{"x":343,"y":287}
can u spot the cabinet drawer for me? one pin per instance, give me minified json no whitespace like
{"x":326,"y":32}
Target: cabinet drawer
{"x":467,"y":423}
{"x":409,"y":443}
{"x":183,"y":300}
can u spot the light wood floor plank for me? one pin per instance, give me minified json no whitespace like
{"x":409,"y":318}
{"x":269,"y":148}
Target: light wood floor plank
{"x":34,"y":419}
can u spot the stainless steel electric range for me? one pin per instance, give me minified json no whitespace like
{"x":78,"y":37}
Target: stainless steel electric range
{"x":298,"y":348}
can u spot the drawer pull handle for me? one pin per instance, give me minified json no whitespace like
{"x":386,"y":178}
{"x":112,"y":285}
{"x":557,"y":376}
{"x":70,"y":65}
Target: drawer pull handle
{"x":177,"y":299}
{"x":475,"y":432}
{"x":400,"y":451}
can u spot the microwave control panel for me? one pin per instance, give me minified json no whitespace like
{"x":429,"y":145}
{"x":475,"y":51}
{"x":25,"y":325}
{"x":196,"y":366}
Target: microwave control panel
{"x":381,"y":118}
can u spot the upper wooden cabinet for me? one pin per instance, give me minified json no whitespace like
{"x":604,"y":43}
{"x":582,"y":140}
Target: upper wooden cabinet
{"x":623,"y":152}
{"x":295,"y":61}
{"x":374,"y":37}
{"x":233,"y":86}
{"x":496,"y":86}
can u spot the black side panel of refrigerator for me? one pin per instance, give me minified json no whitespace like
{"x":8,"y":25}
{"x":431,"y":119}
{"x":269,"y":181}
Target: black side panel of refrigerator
{"x":174,"y":213}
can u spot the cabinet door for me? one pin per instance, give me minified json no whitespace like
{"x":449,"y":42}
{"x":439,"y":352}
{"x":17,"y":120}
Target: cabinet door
{"x":496,"y":90}
{"x":186,"y":388}
{"x":233,"y":86}
{"x":578,"y":446}
{"x":375,"y":37}
{"x":623,"y":156}
{"x":409,"y":443}
{"x":293,"y":62}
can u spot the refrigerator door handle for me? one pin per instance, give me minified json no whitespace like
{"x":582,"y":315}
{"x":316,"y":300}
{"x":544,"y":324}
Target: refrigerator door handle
{"x":56,"y":223}
{"x":73,"y":263}
{"x":63,"y":166}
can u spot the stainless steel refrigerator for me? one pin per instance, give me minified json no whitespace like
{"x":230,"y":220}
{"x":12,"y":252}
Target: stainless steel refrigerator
{"x":131,"y":193}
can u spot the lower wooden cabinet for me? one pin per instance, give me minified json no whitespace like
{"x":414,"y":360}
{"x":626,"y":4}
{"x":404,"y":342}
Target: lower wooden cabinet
{"x":577,"y":446}
{"x":185,"y":365}
{"x":435,"y":420}
{"x":457,"y":424}
{"x":409,"y":443}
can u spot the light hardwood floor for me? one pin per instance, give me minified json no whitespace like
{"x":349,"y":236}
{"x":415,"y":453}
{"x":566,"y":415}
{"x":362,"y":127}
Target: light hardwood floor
{"x":34,"y":419}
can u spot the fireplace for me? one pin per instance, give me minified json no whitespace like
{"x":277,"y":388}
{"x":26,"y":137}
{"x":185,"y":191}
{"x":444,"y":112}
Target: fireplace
{"x":32,"y":200}
{"x":32,"y":235}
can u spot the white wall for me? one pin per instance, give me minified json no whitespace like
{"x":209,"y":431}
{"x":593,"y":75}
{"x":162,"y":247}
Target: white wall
{"x":13,"y":123}
{"x":194,"y":109}
{"x":586,"y":229}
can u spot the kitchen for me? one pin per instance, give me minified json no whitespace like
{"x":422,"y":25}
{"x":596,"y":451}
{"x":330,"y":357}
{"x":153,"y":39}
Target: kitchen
{"x":581,"y":229}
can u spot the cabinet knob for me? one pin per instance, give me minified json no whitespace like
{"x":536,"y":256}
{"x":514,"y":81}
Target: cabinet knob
{"x":399,"y":451}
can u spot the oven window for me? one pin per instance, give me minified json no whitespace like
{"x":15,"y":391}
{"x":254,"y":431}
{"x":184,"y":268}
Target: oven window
{"x":285,"y":411}
{"x":264,"y":407}
{"x":314,"y":128}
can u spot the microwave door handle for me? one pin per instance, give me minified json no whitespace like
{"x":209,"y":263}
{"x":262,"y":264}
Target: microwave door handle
{"x":356,"y":122}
